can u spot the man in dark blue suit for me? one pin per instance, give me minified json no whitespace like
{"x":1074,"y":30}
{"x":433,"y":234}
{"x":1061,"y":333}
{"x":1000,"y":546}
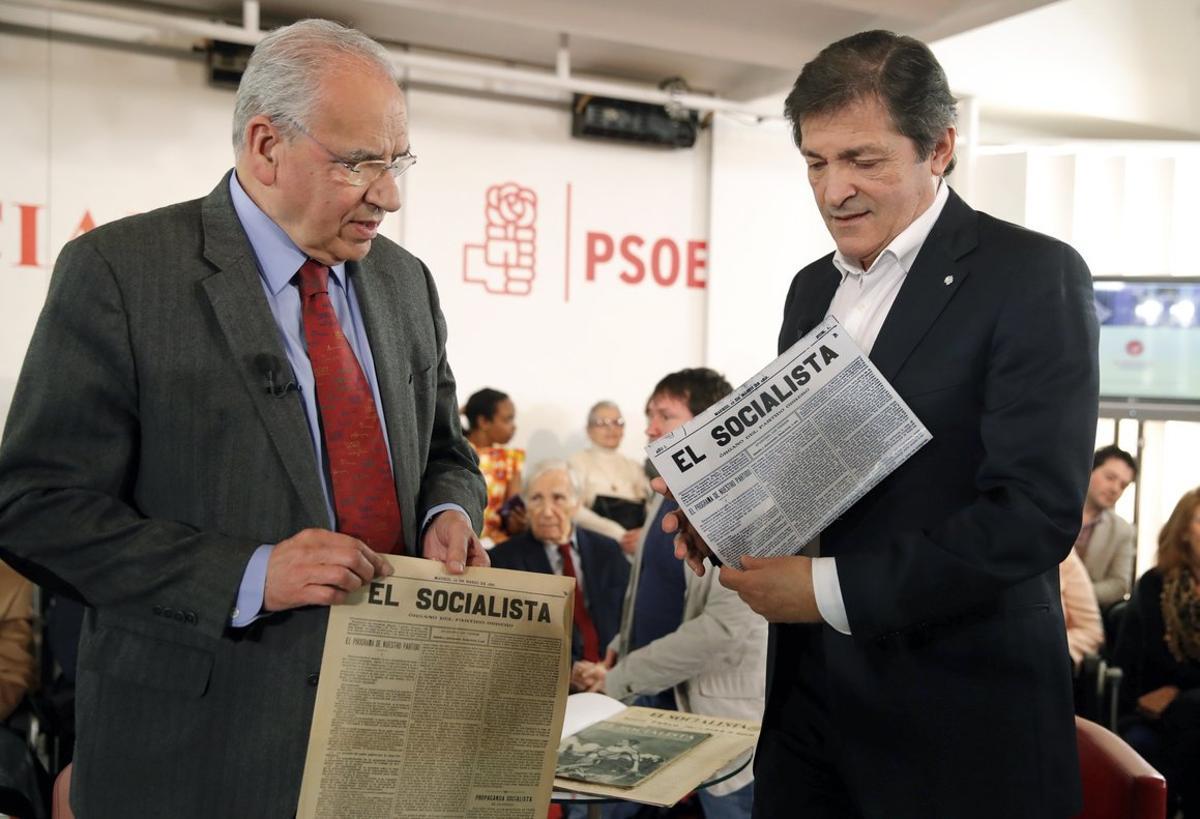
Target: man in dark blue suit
{"x":554,"y":545}
{"x":916,"y":662}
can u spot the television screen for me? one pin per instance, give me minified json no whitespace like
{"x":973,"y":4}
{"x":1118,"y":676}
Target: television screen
{"x":1149,"y":338}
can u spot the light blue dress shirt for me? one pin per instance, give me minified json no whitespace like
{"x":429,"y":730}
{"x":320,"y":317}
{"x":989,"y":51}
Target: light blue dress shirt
{"x":278,"y":261}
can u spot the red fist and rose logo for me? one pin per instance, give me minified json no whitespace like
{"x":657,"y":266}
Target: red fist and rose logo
{"x":504,"y":262}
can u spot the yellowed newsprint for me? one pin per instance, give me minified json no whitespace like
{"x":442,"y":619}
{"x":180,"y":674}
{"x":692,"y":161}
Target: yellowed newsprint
{"x":441,"y":696}
{"x":726,"y":748}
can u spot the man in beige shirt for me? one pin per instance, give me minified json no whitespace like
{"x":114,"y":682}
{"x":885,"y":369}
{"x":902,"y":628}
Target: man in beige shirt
{"x":1106,"y":540}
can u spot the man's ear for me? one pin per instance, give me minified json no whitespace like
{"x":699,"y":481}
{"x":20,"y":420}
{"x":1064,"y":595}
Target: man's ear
{"x":943,"y":151}
{"x":261,"y":149}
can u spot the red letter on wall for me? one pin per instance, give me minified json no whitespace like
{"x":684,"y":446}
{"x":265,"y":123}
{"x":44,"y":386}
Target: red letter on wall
{"x":594,"y":254}
{"x":656,"y":267}
{"x":85,"y":224}
{"x":29,"y":235}
{"x":639,"y":267}
{"x":697,"y":260}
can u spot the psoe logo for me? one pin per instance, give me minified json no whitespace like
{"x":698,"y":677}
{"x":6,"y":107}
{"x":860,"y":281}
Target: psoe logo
{"x":504,"y":262}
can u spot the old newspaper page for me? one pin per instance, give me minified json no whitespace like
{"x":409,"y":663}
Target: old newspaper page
{"x":650,"y":755}
{"x":441,"y":696}
{"x":765,"y":470}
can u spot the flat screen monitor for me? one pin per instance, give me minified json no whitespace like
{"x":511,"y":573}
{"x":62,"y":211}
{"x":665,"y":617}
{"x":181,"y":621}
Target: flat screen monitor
{"x":1149,"y":345}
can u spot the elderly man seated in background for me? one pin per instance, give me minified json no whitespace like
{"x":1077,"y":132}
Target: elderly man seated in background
{"x":615,"y":487}
{"x":553,"y":544}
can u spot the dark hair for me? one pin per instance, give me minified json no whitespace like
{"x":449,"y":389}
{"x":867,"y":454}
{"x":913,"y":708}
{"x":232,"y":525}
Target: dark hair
{"x":899,"y":71}
{"x":1107,"y":453}
{"x":1173,"y":548}
{"x":482,"y":404}
{"x":698,"y":387}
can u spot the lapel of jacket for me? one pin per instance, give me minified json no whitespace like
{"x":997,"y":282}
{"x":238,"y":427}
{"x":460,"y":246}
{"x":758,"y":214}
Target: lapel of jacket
{"x":813,"y":303}
{"x":590,"y":568}
{"x":235,"y":292}
{"x":935,"y":277}
{"x":536,"y":552}
{"x":382,"y":306}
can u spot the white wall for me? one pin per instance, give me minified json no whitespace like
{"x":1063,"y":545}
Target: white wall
{"x":571,"y":341}
{"x":1116,"y":61}
{"x":764,"y":227}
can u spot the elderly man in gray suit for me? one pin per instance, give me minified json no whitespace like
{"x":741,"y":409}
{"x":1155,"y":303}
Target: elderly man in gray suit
{"x":230,"y":407}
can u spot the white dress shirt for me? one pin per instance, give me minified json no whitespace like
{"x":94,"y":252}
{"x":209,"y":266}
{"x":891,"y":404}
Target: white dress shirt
{"x":861,"y":304}
{"x":556,"y":561}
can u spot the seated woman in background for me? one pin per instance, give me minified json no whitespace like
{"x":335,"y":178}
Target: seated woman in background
{"x":491,"y":423}
{"x":1159,"y":651}
{"x":615,"y":488}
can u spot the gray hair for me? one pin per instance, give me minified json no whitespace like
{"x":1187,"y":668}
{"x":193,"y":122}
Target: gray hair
{"x":283,"y":77}
{"x":601,"y":405}
{"x":553,"y":465}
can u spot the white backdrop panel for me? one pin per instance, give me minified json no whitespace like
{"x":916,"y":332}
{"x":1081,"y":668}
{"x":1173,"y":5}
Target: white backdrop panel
{"x":765,"y":227}
{"x":569,"y":341}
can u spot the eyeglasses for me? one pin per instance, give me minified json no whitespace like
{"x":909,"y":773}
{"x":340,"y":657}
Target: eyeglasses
{"x":608,"y":422}
{"x":367,"y":172}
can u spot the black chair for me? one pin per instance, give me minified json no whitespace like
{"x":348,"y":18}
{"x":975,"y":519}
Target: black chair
{"x":1112,"y":618}
{"x":24,"y":783}
{"x":1097,"y":687}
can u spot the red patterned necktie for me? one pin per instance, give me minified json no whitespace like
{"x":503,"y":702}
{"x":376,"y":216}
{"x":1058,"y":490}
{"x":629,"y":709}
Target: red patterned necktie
{"x":583,"y":620}
{"x":364,"y":492}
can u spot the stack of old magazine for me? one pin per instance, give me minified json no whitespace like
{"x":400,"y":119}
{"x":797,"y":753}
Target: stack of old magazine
{"x":646,"y":755}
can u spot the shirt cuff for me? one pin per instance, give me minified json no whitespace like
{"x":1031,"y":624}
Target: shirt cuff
{"x":248,"y":606}
{"x":828,"y":591}
{"x":442,"y":507}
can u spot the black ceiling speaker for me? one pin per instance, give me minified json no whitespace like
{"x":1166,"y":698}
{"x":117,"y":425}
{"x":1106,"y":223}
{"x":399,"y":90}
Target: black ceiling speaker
{"x":625,"y":121}
{"x":226,"y":63}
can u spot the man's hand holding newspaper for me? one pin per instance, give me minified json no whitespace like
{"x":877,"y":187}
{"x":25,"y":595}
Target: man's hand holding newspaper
{"x":689,"y":546}
{"x":778,"y":588}
{"x":760,"y":474}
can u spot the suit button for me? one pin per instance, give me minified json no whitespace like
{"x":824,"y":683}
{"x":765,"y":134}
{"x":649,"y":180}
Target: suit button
{"x":314,"y":678}
{"x":190,"y":618}
{"x":158,"y":610}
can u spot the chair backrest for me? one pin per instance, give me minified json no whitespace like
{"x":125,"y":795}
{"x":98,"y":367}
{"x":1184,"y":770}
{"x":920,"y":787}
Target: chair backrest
{"x":1117,"y":782}
{"x":1112,"y":617}
{"x":61,"y":802}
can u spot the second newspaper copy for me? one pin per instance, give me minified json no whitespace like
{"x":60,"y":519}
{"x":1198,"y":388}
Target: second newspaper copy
{"x":765,"y":470}
{"x":440,"y":695}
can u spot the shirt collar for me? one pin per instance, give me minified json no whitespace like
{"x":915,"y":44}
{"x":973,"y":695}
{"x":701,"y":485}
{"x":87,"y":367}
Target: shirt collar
{"x":573,"y":540}
{"x":278,"y":256}
{"x":905,"y":247}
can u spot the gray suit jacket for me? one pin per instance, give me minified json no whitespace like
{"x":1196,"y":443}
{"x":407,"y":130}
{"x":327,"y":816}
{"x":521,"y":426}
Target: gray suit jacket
{"x":716,"y":660}
{"x":1110,"y":556}
{"x":142,"y":464}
